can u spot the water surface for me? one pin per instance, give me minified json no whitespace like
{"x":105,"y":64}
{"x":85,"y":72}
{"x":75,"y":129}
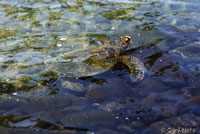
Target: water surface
{"x":46,"y":87}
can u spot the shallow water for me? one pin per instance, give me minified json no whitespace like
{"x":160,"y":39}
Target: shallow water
{"x":47,"y":86}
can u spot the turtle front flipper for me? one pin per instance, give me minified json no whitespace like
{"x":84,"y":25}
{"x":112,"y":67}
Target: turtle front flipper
{"x":135,"y":66}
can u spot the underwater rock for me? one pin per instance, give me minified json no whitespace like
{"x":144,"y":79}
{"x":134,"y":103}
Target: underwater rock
{"x":149,"y":130}
{"x":176,"y":37}
{"x":10,"y":102}
{"x":188,"y":104}
{"x":137,"y":125}
{"x":125,"y":128}
{"x":150,"y":100}
{"x":150,"y":85}
{"x":49,"y":115}
{"x":188,"y":52}
{"x":4,"y":130}
{"x":23,"y":123}
{"x":170,"y":70}
{"x":73,"y":86}
{"x":81,"y":101}
{"x":112,"y":88}
{"x":39,"y":100}
{"x":160,"y":127}
{"x":89,"y":118}
{"x":184,"y":120}
{"x":45,"y":105}
{"x":71,"y":109}
{"x":108,"y":131}
{"x":109,"y":106}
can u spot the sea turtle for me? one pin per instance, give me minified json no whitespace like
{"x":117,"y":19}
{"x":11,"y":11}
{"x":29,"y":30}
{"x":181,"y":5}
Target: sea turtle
{"x":102,"y":59}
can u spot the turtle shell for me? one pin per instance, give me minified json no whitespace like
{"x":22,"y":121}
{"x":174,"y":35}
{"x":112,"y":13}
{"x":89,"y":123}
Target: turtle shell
{"x":96,"y":61}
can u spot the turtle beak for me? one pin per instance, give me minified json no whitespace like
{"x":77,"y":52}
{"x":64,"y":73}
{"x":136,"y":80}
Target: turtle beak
{"x":123,"y":42}
{"x":127,"y":39}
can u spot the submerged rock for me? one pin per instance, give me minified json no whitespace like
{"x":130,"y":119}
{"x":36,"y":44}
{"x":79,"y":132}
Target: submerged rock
{"x":73,"y":86}
{"x":170,"y":70}
{"x":137,"y":124}
{"x":160,"y":127}
{"x":108,"y":131}
{"x":4,"y":130}
{"x":149,"y":130}
{"x":112,"y":88}
{"x":24,"y":123}
{"x":89,"y":118}
{"x":150,"y":85}
{"x":125,"y":128}
{"x":9,"y":102}
{"x":185,"y":120}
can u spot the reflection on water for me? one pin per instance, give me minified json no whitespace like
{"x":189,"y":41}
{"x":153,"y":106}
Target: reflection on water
{"x":50,"y":80}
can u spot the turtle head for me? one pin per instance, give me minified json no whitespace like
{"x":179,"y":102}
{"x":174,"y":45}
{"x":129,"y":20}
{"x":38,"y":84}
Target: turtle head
{"x":124,"y":42}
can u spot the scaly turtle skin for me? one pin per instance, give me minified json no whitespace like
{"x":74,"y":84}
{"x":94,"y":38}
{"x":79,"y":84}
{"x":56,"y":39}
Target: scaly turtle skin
{"x":107,"y":56}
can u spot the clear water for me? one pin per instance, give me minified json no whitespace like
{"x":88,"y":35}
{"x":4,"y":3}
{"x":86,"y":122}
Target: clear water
{"x":43,"y":46}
